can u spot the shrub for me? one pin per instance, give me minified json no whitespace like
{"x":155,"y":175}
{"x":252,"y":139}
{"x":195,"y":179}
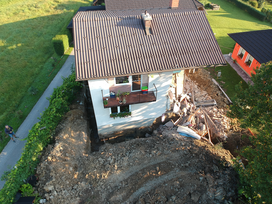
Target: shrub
{"x":261,"y":4}
{"x":120,"y":115}
{"x":252,"y":11}
{"x":63,"y":42}
{"x":254,"y":3}
{"x":27,"y":190}
{"x":60,"y":44}
{"x":268,"y":13}
{"x":39,"y":136}
{"x":253,"y":107}
{"x":264,"y":10}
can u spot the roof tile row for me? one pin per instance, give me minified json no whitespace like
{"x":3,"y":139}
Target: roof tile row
{"x":147,"y":4}
{"x":108,"y":45}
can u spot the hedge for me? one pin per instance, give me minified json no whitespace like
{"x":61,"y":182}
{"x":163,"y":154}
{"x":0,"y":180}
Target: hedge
{"x":39,"y":137}
{"x":64,"y":31}
{"x":268,"y":14}
{"x":60,"y":44}
{"x":252,"y":11}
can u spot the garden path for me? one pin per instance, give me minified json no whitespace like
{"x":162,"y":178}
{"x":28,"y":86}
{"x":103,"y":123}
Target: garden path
{"x":238,"y":69}
{"x":12,"y":152}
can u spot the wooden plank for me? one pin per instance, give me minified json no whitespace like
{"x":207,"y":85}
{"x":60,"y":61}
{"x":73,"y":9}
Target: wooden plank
{"x":210,"y":119}
{"x":208,"y":129}
{"x":221,"y":90}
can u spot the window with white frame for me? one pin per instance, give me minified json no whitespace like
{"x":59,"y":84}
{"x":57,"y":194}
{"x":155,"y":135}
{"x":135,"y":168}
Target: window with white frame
{"x":241,"y":52}
{"x":121,"y":80}
{"x":249,"y":60}
{"x":114,"y":110}
{"x":120,"y":109}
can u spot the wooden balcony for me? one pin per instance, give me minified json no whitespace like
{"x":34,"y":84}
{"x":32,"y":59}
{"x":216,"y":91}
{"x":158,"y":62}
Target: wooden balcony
{"x":132,"y":98}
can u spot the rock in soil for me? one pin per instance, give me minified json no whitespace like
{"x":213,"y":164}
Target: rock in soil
{"x":166,"y":168}
{"x":163,"y":167}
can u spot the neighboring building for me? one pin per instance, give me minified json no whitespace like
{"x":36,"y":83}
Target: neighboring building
{"x":140,"y":44}
{"x":252,"y":49}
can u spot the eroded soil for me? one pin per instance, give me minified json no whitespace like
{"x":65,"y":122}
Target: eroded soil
{"x":163,"y":168}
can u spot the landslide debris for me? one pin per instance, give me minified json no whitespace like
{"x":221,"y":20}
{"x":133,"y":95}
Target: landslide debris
{"x":163,"y":168}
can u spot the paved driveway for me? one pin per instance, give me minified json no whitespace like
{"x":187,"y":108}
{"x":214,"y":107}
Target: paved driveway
{"x":238,"y":69}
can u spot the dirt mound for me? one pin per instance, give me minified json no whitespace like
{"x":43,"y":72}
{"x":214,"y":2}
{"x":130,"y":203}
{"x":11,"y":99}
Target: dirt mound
{"x":163,"y":168}
{"x":203,"y":80}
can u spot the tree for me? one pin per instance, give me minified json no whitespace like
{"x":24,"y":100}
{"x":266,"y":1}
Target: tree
{"x":253,"y":107}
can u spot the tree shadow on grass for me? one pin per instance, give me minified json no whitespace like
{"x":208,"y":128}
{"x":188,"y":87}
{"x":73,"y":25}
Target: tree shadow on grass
{"x":25,"y":47}
{"x":229,"y":10}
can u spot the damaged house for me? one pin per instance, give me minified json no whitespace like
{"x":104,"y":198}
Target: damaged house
{"x":133,"y":51}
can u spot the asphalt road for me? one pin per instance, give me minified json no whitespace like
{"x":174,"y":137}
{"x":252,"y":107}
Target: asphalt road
{"x":12,"y":152}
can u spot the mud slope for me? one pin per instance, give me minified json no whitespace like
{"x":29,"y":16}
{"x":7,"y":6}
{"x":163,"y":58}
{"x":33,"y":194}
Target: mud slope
{"x":164,"y":168}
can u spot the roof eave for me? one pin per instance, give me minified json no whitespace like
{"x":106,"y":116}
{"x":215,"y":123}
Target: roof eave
{"x":153,"y":72}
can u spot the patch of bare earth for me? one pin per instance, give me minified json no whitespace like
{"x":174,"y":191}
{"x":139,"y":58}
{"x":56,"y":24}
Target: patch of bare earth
{"x":203,"y":80}
{"x":163,"y":168}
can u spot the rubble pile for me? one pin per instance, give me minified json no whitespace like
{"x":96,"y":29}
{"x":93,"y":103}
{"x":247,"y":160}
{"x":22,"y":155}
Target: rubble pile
{"x":163,"y":168}
{"x":203,"y":80}
{"x":199,"y":112}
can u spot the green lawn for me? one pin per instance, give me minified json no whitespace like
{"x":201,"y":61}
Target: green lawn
{"x":27,"y":27}
{"x":228,"y":80}
{"x":230,"y":19}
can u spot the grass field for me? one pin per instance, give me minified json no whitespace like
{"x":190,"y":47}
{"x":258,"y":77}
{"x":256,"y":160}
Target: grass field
{"x":230,"y":19}
{"x":26,"y":67}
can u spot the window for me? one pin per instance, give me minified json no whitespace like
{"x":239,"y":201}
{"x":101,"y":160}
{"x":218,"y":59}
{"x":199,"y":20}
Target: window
{"x":124,"y":108}
{"x":136,"y":82}
{"x":120,"y":111}
{"x":122,"y":80}
{"x":249,"y":60}
{"x":114,"y":110}
{"x":241,"y":52}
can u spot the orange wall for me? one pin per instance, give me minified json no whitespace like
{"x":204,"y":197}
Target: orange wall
{"x":241,"y":62}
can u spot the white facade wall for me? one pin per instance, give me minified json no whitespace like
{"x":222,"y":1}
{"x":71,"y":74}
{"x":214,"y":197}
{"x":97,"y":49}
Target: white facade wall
{"x":142,"y":114}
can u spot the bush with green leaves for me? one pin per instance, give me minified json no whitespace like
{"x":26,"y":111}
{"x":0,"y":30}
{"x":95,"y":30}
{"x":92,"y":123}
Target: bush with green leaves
{"x":120,"y":115}
{"x":27,"y":190}
{"x":268,"y":14}
{"x":253,"y":107}
{"x":62,"y":40}
{"x":60,"y":44}
{"x":246,"y":7}
{"x":39,"y":137}
{"x":253,"y":3}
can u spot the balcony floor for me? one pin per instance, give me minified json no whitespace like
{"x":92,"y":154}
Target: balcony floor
{"x":132,"y":98}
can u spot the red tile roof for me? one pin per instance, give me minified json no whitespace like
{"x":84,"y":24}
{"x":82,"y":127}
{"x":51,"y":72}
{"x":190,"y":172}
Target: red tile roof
{"x":110,"y":44}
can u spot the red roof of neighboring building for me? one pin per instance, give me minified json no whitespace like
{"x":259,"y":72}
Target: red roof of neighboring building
{"x":114,"y":43}
{"x":257,"y":43}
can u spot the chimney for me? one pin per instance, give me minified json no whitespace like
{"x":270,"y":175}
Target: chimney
{"x":147,"y":22}
{"x":174,"y":4}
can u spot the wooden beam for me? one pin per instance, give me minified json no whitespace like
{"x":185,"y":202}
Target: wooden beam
{"x":221,"y":90}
